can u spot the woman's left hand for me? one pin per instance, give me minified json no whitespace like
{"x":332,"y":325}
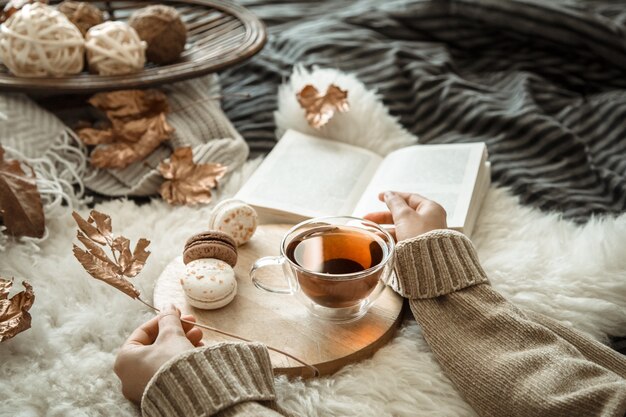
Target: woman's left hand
{"x":150,"y":346}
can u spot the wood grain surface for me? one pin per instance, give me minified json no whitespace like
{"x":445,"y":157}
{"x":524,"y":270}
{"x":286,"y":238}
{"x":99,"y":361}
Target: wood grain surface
{"x":279,"y":320}
{"x":220,"y":34}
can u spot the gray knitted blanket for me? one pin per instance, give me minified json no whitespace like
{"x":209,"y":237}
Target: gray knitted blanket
{"x":541,"y":82}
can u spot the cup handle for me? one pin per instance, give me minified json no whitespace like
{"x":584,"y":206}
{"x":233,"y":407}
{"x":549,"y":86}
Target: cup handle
{"x":268,"y":261}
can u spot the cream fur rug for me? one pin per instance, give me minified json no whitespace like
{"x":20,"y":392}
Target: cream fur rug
{"x":62,"y":366}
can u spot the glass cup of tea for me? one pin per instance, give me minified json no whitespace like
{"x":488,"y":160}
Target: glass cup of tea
{"x":336,"y":266}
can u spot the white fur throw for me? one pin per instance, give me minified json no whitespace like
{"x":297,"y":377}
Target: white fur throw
{"x":62,"y":366}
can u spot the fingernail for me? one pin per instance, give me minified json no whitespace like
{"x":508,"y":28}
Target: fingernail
{"x":170,"y":308}
{"x":388,"y":194}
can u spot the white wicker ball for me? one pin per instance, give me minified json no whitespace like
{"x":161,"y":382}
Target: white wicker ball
{"x":38,"y":41}
{"x":114,"y":48}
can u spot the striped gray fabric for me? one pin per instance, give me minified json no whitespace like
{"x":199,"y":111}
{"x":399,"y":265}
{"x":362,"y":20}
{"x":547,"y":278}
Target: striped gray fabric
{"x":542,"y":83}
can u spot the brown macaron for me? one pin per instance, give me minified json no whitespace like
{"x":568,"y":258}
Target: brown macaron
{"x":211,"y":244}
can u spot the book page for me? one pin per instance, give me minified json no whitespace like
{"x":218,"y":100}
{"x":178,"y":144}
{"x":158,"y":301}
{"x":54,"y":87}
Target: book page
{"x":310,"y":177}
{"x":446,"y":174}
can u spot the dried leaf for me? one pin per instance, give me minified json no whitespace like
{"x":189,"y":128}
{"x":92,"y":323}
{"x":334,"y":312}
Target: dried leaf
{"x":103,"y":224}
{"x":125,"y":264}
{"x":122,"y":246}
{"x":139,"y":140}
{"x":187,"y":182}
{"x":104,"y":272}
{"x":89,"y":229}
{"x":319,"y":109}
{"x":140,"y":255}
{"x":91,"y":136}
{"x":21,"y":210}
{"x":130,"y":104}
{"x":14,"y":315}
{"x":138,"y":127}
{"x":93,"y":248}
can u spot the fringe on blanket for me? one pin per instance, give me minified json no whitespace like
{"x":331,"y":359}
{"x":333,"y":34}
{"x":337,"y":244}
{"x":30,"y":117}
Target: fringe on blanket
{"x":30,"y":134}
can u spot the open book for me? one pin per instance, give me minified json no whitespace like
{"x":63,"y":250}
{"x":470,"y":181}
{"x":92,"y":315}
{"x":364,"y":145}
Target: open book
{"x":306,"y":177}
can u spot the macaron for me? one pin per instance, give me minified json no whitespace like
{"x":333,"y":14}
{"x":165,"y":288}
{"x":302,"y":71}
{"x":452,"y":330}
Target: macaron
{"x":211,"y":244}
{"x":209,"y":283}
{"x":236,"y":218}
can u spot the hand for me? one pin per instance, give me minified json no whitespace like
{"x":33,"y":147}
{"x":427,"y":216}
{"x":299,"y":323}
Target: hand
{"x":150,"y":346}
{"x":412,"y":214}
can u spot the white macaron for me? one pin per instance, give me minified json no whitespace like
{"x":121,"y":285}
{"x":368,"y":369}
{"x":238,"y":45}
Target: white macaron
{"x":209,"y":283}
{"x":235,"y":218}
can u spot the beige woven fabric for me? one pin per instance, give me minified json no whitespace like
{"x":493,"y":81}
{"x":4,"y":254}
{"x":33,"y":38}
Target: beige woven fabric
{"x":501,"y":359}
{"x":504,"y":361}
{"x":205,"y":381}
{"x":199,"y":122}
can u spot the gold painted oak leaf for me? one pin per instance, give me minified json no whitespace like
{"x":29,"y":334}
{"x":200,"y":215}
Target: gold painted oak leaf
{"x":319,"y":109}
{"x":187,"y":182}
{"x":21,"y":209}
{"x":14,"y":315}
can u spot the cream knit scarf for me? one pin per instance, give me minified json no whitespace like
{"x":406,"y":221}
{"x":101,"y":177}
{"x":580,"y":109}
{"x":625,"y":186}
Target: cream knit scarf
{"x":34,"y":135}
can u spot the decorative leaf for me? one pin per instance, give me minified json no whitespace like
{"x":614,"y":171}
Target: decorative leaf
{"x":103,"y":224}
{"x":95,"y":260}
{"x":130,"y":104}
{"x":21,"y":209}
{"x":138,"y":127}
{"x":187,"y":182}
{"x":140,"y":255}
{"x":93,"y":248}
{"x":138,"y":140}
{"x":122,"y":246}
{"x":14,"y":315}
{"x":89,"y":229}
{"x":319,"y":109}
{"x":91,"y":136}
{"x":105,"y":272}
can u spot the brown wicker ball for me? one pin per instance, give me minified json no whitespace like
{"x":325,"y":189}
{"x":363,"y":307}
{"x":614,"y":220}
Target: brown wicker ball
{"x":161,"y":27}
{"x":83,"y":15}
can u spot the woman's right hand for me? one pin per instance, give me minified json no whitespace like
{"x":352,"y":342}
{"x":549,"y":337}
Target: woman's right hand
{"x":411,"y":214}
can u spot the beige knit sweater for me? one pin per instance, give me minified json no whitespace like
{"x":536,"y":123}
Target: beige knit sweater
{"x":504,"y":361}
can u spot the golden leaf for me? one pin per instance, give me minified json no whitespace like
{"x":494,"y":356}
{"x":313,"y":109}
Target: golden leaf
{"x":93,"y":248}
{"x":21,"y":209}
{"x":138,"y":127}
{"x":14,"y":315}
{"x":130,"y":104}
{"x":319,"y":109}
{"x":91,"y":136}
{"x":140,"y":255}
{"x":104,"y":271}
{"x":125,"y":264}
{"x":187,"y":182}
{"x":89,"y":229}
{"x":122,"y":246}
{"x":103,"y":224}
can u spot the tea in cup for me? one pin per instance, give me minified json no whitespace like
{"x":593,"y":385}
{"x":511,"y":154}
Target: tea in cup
{"x":336,"y":266}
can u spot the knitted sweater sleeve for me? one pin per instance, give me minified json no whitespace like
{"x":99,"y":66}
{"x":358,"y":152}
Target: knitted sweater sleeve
{"x":224,"y":380}
{"x":504,"y":361}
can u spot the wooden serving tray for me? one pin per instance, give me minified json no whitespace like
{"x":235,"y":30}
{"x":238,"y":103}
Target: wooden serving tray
{"x":279,"y":320}
{"x":220,"y":34}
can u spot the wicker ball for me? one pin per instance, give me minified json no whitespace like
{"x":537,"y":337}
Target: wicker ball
{"x":38,"y":41}
{"x":83,"y":15}
{"x":164,"y":31}
{"x":114,"y":48}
